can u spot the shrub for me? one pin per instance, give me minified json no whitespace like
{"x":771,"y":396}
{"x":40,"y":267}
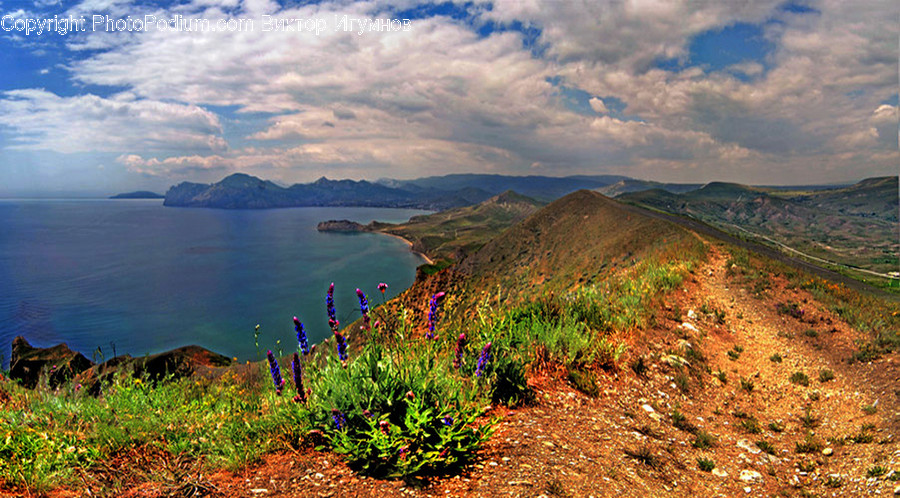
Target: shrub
{"x":825,"y":375}
{"x":766,"y":447}
{"x":703,"y":440}
{"x":750,"y":425}
{"x":775,"y":358}
{"x":799,"y":378}
{"x":747,"y":384}
{"x":705,"y":464}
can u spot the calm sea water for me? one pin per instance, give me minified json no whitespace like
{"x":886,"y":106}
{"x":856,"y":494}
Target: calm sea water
{"x":137,"y":277}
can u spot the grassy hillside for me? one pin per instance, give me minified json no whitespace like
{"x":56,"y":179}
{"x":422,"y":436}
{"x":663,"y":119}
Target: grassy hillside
{"x":854,"y":226}
{"x":452,"y":234}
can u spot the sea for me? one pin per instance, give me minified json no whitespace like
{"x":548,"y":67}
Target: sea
{"x":110,"y":277}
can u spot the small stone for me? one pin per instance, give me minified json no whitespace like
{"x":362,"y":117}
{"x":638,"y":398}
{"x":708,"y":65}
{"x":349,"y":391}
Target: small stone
{"x":320,"y":475}
{"x":897,"y":491}
{"x":828,"y":452}
{"x":750,"y":476}
{"x":745,"y":444}
{"x":258,"y":491}
{"x":719,"y":472}
{"x":748,"y":489}
{"x":648,"y":408}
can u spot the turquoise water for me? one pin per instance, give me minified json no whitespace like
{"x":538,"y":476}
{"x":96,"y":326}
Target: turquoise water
{"x":139,"y":278}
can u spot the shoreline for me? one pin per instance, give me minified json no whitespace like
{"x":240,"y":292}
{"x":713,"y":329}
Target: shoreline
{"x":410,"y":244}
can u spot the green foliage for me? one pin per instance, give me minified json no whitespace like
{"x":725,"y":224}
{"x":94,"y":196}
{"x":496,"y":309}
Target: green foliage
{"x":766,"y":446}
{"x":747,"y":385}
{"x":808,"y":420}
{"x":705,"y":464}
{"x":800,"y":378}
{"x":876,"y":471}
{"x":776,"y":426}
{"x":870,"y":409}
{"x":750,"y":425}
{"x":679,"y":421}
{"x":809,"y":444}
{"x":703,"y":440}
{"x":723,"y":378}
{"x":825,"y":375}
{"x":775,"y":358}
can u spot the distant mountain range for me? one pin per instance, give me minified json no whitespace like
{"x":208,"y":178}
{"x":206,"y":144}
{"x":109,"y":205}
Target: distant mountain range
{"x":241,"y":191}
{"x":854,"y":225}
{"x":140,"y":194}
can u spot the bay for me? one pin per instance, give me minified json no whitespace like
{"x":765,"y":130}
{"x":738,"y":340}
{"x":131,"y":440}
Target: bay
{"x":132,"y":276}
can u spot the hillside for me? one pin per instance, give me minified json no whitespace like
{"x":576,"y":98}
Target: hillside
{"x":855,"y":225}
{"x":630,"y":185}
{"x":543,"y":188}
{"x":573,"y":241}
{"x":451,"y":235}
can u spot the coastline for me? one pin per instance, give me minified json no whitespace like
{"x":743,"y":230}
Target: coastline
{"x":410,"y":244}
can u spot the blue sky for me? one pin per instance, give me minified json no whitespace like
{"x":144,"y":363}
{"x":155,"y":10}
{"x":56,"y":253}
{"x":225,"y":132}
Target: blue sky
{"x":756,"y":92}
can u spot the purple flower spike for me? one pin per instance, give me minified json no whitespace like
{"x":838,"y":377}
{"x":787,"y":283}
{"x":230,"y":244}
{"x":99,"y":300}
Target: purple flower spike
{"x":432,"y":313}
{"x":341,"y":346}
{"x":301,"y":336}
{"x":363,"y":307}
{"x":298,"y":378}
{"x":329,"y":305}
{"x":382,"y":287}
{"x":483,"y":360}
{"x":276,"y":372}
{"x":460,"y":348}
{"x":340,"y":421}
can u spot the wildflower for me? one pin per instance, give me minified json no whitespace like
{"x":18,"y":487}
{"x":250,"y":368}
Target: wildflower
{"x":367,"y":414}
{"x":301,"y":336}
{"x":275,"y":371}
{"x":341,"y":346}
{"x":483,"y":359}
{"x":448,"y":420}
{"x":329,"y":305}
{"x":363,"y":307}
{"x":444,"y":452}
{"x":382,"y":287}
{"x":432,"y":313}
{"x":385,"y":427}
{"x":460,"y":347}
{"x":403,"y":451}
{"x":298,"y":378}
{"x":340,"y":421}
{"x":410,"y":395}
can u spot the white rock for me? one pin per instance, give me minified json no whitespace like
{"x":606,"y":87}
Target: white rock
{"x":690,"y":327}
{"x":745,"y":444}
{"x":748,"y":475}
{"x":719,"y":472}
{"x":647,"y":408}
{"x":827,"y":451}
{"x":691,"y":314}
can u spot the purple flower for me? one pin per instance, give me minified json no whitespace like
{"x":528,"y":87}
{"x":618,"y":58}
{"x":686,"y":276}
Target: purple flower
{"x":339,"y":420}
{"x":298,"y":378}
{"x":363,"y":307}
{"x":301,"y":336}
{"x":276,"y":372}
{"x":382,"y":287}
{"x":483,"y":359}
{"x":329,"y":305}
{"x":460,"y":347}
{"x":432,"y":313}
{"x":341,"y":346}
{"x":448,"y":420}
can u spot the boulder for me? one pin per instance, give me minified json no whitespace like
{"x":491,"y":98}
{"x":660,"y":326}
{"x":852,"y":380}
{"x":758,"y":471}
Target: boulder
{"x":58,"y":363}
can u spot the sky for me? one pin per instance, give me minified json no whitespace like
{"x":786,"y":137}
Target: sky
{"x":758,"y":92}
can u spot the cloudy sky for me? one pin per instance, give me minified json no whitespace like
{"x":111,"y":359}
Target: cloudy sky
{"x":760,"y":92}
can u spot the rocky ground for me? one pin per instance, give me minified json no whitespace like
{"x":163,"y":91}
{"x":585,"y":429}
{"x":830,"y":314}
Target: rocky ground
{"x":711,"y":357}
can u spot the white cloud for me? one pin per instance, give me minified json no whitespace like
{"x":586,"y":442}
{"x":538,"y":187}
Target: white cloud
{"x":44,"y":120}
{"x":598,"y":106}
